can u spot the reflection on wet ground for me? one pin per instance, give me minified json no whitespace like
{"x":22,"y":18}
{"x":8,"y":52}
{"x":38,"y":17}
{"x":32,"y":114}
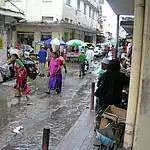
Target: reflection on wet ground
{"x":57,"y":112}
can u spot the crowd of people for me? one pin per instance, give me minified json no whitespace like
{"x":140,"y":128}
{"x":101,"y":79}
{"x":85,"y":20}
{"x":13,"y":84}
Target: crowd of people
{"x":110,"y":83}
{"x":25,"y":67}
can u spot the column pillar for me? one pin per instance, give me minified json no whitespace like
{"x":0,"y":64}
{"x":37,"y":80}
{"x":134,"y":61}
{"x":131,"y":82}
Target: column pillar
{"x":94,"y":39}
{"x":117,"y":45}
{"x":142,"y":126}
{"x":135,"y":74}
{"x":5,"y":40}
{"x":14,"y":38}
{"x":37,"y":37}
{"x":58,"y":34}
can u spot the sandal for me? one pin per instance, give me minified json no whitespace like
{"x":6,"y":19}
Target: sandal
{"x":17,"y":95}
{"x":47,"y":92}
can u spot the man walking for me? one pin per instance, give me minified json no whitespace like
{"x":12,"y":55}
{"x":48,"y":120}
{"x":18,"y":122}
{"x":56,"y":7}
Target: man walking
{"x":42,"y":60}
{"x":90,"y":58}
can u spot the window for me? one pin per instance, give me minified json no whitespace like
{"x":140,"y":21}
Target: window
{"x":84,"y":8}
{"x":89,"y":11}
{"x":25,"y":38}
{"x":47,"y":19}
{"x":101,"y":1}
{"x":78,"y":4}
{"x":93,"y":15}
{"x":68,"y":2}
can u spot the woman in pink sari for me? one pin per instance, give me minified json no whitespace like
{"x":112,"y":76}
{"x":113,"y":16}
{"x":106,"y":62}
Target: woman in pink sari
{"x":55,"y":82}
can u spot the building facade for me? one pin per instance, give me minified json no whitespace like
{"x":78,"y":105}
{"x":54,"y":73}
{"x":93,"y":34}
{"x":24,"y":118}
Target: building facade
{"x":8,"y":18}
{"x":64,"y":19}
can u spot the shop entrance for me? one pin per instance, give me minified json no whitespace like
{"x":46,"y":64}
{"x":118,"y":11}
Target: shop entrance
{"x":25,"y":38}
{"x":88,"y":39}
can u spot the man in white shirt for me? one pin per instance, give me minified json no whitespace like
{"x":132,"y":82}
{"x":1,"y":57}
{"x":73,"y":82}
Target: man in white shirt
{"x":90,"y":58}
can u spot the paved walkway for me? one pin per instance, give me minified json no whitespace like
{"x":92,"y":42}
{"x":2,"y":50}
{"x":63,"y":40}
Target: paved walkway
{"x":81,"y":135}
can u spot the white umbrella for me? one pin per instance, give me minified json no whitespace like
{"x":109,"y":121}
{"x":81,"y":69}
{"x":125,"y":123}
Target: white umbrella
{"x":55,"y":42}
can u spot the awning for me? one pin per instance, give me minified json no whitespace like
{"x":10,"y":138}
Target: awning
{"x":122,"y":7}
{"x":8,"y":12}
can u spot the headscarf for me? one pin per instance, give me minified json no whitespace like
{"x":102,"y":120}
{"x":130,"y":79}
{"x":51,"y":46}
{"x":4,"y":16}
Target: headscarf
{"x":19,"y":62}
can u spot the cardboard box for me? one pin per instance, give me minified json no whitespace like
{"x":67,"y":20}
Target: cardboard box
{"x":115,"y":113}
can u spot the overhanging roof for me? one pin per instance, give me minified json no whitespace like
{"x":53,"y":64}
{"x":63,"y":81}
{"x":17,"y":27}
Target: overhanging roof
{"x":122,"y":7}
{"x":8,"y":12}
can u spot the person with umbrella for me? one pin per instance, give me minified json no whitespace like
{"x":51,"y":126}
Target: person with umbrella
{"x":82,"y":59}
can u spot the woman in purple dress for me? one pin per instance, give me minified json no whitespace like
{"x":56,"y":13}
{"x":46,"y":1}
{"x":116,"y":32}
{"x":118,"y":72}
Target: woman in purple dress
{"x":55,"y":82}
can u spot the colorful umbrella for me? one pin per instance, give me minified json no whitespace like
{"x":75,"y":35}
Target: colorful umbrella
{"x":84,"y":44}
{"x":47,"y":42}
{"x":55,"y":42}
{"x":62,"y":42}
{"x":113,"y":42}
{"x":74,"y":42}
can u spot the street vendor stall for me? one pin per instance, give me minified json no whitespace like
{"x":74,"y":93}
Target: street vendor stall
{"x":72,"y":57}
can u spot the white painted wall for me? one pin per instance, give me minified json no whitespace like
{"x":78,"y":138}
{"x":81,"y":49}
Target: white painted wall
{"x":110,"y":23}
{"x":1,"y":3}
{"x":35,"y":9}
{"x":52,"y":9}
{"x":72,"y":13}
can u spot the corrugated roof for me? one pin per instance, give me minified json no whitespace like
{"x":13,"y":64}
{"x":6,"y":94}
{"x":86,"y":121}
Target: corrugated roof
{"x":9,"y":12}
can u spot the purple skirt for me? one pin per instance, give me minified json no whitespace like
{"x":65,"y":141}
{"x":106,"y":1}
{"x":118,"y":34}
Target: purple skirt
{"x":55,"y":83}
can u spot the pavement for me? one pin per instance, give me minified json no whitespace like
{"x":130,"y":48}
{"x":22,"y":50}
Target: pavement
{"x":57,"y":112}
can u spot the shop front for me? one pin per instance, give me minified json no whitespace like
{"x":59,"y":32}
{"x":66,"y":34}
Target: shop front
{"x":46,"y":35}
{"x":25,"y":38}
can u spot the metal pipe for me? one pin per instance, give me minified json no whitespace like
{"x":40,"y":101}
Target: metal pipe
{"x":92,"y":96}
{"x":117,"y":45}
{"x":45,"y":141}
{"x":135,"y":73}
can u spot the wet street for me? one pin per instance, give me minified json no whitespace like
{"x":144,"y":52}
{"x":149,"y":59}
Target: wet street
{"x":57,"y":112}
